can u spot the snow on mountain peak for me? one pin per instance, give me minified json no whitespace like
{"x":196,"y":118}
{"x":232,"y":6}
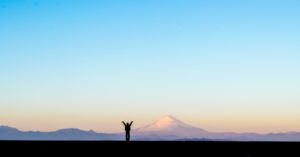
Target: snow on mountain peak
{"x":168,"y":124}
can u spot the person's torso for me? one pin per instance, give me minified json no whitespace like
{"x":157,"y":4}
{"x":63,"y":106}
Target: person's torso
{"x":127,"y":128}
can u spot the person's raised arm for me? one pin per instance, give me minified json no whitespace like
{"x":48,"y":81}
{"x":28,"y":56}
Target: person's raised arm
{"x":131,"y":123}
{"x":123,"y":123}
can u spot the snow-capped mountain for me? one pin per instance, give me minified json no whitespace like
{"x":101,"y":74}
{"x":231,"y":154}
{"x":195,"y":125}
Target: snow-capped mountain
{"x":169,"y":125}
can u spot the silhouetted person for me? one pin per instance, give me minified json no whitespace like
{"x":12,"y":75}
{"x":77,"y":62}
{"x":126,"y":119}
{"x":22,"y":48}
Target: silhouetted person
{"x":127,"y":129}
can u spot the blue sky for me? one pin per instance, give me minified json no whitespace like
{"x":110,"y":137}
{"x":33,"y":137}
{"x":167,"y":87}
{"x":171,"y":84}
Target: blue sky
{"x":215,"y":64}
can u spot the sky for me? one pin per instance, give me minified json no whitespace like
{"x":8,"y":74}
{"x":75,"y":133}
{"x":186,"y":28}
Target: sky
{"x":220,"y":65}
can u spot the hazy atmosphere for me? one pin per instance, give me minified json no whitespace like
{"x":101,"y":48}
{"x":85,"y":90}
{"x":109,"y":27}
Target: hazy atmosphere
{"x":220,"y":65}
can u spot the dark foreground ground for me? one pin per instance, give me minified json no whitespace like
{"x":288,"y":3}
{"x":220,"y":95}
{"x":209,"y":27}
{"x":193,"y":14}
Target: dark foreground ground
{"x":137,"y":148}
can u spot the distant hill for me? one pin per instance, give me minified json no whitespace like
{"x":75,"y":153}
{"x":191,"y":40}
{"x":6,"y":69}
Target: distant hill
{"x":166,"y":128}
{"x":9,"y":133}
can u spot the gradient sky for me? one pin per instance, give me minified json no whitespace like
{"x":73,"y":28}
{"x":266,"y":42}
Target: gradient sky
{"x":221,"y":65}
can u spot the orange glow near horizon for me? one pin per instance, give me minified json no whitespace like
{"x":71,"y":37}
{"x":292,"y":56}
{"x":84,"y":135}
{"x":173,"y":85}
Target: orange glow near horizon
{"x":102,"y":124}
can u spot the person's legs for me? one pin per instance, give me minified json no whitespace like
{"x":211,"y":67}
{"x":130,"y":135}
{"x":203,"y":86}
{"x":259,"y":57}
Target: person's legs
{"x":127,"y":136}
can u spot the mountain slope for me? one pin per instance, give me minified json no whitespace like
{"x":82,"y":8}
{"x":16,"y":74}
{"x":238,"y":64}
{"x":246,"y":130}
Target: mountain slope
{"x":168,"y":125}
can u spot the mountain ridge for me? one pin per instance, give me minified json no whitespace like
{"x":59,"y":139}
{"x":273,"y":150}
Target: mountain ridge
{"x":165,"y":128}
